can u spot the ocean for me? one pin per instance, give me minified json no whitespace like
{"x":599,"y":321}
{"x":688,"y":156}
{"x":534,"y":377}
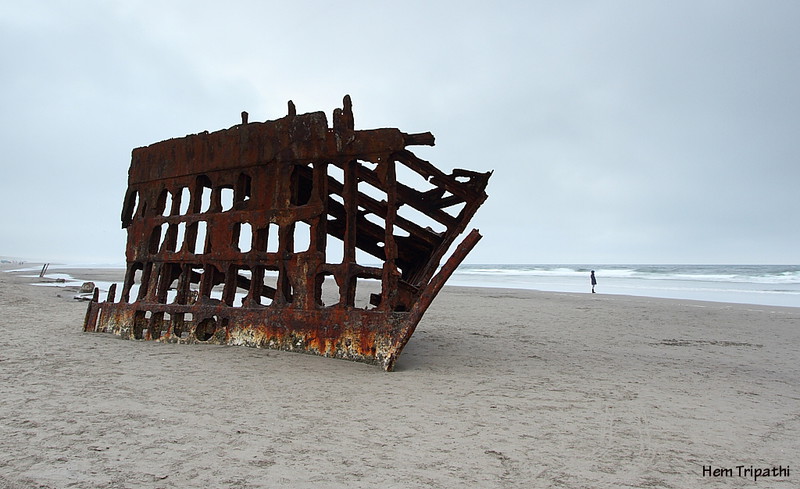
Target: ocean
{"x":773,"y":285}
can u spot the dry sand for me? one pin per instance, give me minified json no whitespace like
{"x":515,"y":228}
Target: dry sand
{"x":497,"y":389}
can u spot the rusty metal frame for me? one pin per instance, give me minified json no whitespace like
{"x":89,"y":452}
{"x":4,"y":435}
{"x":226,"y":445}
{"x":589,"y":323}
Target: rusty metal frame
{"x":235,"y":237}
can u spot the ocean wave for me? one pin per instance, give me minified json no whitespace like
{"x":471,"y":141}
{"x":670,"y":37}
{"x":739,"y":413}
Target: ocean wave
{"x":755,"y":274}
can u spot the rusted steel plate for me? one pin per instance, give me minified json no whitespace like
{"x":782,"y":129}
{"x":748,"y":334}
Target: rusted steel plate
{"x":288,"y":234}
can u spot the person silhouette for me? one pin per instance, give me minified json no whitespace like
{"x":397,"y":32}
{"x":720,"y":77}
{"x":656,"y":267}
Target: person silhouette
{"x":594,"y":281}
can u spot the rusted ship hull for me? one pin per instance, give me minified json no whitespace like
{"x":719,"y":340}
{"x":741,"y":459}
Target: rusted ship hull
{"x":306,"y":205}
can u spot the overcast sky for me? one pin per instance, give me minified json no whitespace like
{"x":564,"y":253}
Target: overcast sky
{"x":618,"y":131}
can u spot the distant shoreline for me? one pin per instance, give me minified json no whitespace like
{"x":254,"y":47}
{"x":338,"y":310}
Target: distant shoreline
{"x":115,"y":273}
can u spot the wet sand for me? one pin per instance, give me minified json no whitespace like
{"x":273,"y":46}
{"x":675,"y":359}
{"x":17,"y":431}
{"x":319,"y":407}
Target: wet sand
{"x":496,"y":389}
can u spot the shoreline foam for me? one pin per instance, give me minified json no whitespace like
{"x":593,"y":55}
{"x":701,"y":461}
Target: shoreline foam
{"x":578,"y":285}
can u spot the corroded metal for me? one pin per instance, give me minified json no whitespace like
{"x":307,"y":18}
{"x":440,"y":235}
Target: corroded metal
{"x":268,"y":234}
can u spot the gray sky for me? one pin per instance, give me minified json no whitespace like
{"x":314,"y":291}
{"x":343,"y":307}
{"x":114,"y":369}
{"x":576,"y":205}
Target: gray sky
{"x":619,"y":131}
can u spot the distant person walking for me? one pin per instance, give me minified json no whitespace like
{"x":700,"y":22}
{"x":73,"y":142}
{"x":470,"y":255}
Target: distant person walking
{"x":594,"y":281}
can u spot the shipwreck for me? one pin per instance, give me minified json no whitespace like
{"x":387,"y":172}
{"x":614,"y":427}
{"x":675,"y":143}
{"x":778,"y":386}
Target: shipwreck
{"x":288,"y":234}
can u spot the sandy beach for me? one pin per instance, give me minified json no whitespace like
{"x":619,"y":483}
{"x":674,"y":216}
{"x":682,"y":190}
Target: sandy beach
{"x":497,"y":388}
